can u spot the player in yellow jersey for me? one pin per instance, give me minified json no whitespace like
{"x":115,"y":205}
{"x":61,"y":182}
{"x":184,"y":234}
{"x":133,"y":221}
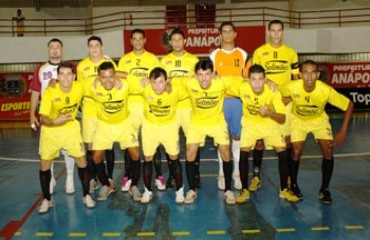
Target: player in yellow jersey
{"x":263,"y":111}
{"x":309,"y":97}
{"x":138,"y":63}
{"x":229,"y":60}
{"x":41,"y":78}
{"x":180,"y":64}
{"x":113,"y":125}
{"x":87,"y":71}
{"x":281,"y":65}
{"x":160,"y":127}
{"x":206,"y":96}
{"x":61,"y":130}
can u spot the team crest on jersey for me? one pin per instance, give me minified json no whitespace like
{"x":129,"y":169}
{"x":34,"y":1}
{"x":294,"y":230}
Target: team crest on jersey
{"x":296,"y":95}
{"x":265,"y":54}
{"x":247,"y":96}
{"x":57,"y":99}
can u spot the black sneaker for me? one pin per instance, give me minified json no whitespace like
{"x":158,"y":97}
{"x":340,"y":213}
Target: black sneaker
{"x":170,"y":183}
{"x":324,"y":196}
{"x":197,"y":182}
{"x":295,"y":189}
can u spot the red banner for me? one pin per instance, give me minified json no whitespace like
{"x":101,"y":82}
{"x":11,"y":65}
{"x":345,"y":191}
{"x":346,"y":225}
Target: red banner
{"x":14,"y":96}
{"x":346,"y":75}
{"x":199,"y":41}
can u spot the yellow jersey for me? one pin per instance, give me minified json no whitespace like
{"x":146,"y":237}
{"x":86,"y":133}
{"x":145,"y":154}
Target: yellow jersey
{"x":279,"y":63}
{"x":311,"y":105}
{"x":55,"y":102}
{"x":180,"y":67}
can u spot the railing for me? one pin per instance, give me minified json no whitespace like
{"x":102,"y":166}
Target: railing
{"x":157,"y":19}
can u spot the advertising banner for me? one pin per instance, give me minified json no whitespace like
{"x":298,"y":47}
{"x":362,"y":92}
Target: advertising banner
{"x":14,"y":96}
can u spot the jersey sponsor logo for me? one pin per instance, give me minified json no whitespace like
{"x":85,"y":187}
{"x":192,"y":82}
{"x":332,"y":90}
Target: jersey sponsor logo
{"x":178,"y":73}
{"x":149,"y":97}
{"x":168,"y":62}
{"x":296,"y":95}
{"x":207,"y":102}
{"x":68,"y":110}
{"x":57,"y":99}
{"x":247,"y":96}
{"x":265,"y":54}
{"x":307,"y":110}
{"x":159,"y":111}
{"x":276,"y":66}
{"x":113,"y":106}
{"x":128,"y":62}
{"x":140,"y":72}
{"x":86,"y":69}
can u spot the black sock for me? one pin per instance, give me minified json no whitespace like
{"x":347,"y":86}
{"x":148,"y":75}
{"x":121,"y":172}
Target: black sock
{"x":197,"y":164}
{"x":157,"y":162}
{"x":327,"y":170}
{"x":128,"y":162}
{"x":90,"y":164}
{"x":169,"y":163}
{"x":147,"y":174}
{"x":243,"y":168}
{"x":190,"y":173}
{"x":100,"y":172}
{"x":228,"y":171}
{"x":109,"y":157}
{"x":135,"y":171}
{"x":257,"y":162}
{"x":83,"y":174}
{"x":294,"y":167}
{"x":176,"y":170}
{"x":45,"y":177}
{"x":283,"y":169}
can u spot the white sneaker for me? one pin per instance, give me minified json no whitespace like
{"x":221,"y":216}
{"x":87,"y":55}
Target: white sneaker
{"x":229,"y":197}
{"x":147,"y":196}
{"x":135,"y":192}
{"x":221,"y":182}
{"x":112,"y":184}
{"x":104,"y":193}
{"x":70,"y":185}
{"x":180,"y":196}
{"x":53,"y":184}
{"x":126,"y":184}
{"x":160,"y":183}
{"x":93,"y":186}
{"x":237,"y":183}
{"x":191,"y":195}
{"x":88,"y":201}
{"x":45,"y":205}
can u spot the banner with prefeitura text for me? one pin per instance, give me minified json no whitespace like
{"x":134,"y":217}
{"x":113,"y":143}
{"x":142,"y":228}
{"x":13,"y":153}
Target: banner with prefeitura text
{"x":199,"y":41}
{"x":350,"y":79}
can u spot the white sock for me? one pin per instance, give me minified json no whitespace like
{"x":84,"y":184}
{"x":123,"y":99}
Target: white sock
{"x":235,"y":151}
{"x":52,"y":169}
{"x":221,"y":170}
{"x":70,"y":163}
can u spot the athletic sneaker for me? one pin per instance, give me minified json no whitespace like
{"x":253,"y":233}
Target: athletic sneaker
{"x":296,"y":191}
{"x":170,"y":184}
{"x":255,"y":184}
{"x":126,"y":184}
{"x":287,"y":195}
{"x":45,"y":205}
{"x":112,"y":184}
{"x":88,"y":201}
{"x":325,"y":196}
{"x":229,"y":197}
{"x":160,"y":183}
{"x":104,"y":193}
{"x":221,"y":182}
{"x":243,"y":197}
{"x":70,"y":185}
{"x":147,"y":196}
{"x":53,"y":184}
{"x":191,"y":195}
{"x":135,"y":192}
{"x":180,"y":196}
{"x":237,"y":183}
{"x":93,"y":186}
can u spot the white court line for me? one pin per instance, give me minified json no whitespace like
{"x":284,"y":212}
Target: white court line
{"x":339,"y":155}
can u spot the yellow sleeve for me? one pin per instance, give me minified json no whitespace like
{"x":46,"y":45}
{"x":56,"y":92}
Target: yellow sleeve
{"x":338,"y":100}
{"x":284,"y":89}
{"x":278,"y":103}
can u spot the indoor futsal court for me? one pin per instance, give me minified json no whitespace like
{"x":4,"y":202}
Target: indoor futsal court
{"x":265,"y":216}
